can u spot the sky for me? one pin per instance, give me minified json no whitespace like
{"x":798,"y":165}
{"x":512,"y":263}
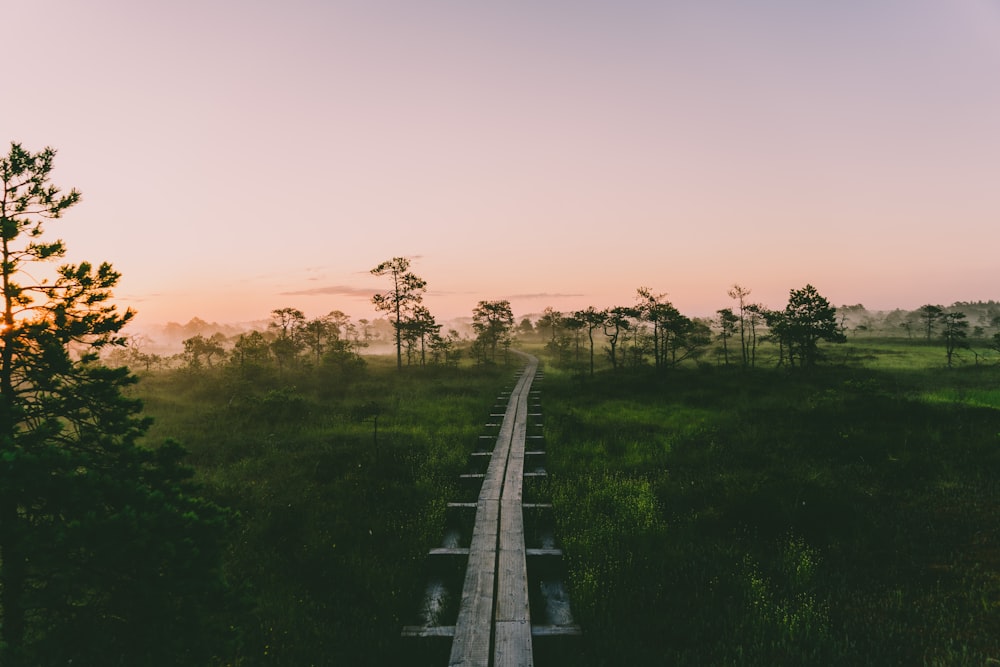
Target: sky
{"x":238,"y":157}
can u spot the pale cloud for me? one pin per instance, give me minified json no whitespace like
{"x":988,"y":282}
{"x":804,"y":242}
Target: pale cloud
{"x":546,"y":295}
{"x":333,"y":290}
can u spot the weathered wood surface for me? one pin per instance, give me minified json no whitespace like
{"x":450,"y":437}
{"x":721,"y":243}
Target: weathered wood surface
{"x":428,"y":631}
{"x":494,"y":624}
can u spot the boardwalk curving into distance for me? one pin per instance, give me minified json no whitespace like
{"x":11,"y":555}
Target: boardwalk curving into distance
{"x":494,"y":621}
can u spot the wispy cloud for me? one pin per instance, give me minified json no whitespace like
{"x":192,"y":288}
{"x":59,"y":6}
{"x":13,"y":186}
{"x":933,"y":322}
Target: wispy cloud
{"x":544,"y":295}
{"x":333,"y":290}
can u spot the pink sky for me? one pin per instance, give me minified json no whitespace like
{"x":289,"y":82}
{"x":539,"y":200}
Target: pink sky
{"x":236,"y":157}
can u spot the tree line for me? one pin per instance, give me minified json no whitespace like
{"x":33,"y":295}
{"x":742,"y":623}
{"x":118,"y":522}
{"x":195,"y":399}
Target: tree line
{"x":652,"y":331}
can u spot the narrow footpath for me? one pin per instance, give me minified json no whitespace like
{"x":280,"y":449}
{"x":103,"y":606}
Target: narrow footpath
{"x":494,"y":622}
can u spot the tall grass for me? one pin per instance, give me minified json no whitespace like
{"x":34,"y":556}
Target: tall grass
{"x":333,"y":524}
{"x":844,"y":516}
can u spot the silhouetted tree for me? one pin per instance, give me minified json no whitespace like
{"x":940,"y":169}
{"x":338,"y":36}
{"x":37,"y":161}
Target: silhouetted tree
{"x":617,"y":322}
{"x":106,"y":555}
{"x":420,"y":327}
{"x":686,"y":338}
{"x":317,"y":336}
{"x":653,"y":308}
{"x":552,"y":320}
{"x":808,"y":318}
{"x":250,"y":349}
{"x":955,"y":333}
{"x":525,"y":327}
{"x":492,"y":322}
{"x":741,"y":293}
{"x":754,"y":319}
{"x":590,"y":319}
{"x":287,"y":324}
{"x":444,"y":349}
{"x":727,"y":322}
{"x":198,"y":346}
{"x":406,"y":293}
{"x":929,"y":315}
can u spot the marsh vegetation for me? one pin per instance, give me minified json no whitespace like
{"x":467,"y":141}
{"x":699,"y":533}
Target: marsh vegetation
{"x":843,"y":514}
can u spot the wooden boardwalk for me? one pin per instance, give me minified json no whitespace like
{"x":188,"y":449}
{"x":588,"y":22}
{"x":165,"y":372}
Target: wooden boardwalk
{"x":494,"y":622}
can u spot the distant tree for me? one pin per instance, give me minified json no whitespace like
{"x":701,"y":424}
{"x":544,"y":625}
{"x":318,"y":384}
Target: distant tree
{"x":317,"y":336}
{"x":687,"y":338}
{"x":955,"y":333}
{"x":133,"y":354}
{"x":525,"y":328}
{"x":590,"y":319}
{"x":198,"y":346}
{"x":107,"y":555}
{"x":444,"y":349}
{"x":727,"y":322}
{"x":655,"y":309}
{"x":364,"y":332}
{"x":287,"y":324}
{"x":617,"y":322}
{"x":929,"y":315}
{"x":672,"y":327}
{"x":741,"y":293}
{"x":777,"y":331}
{"x":250,"y":349}
{"x":573,"y":327}
{"x":755,"y":320}
{"x":421,"y":327}
{"x":552,"y":320}
{"x":808,"y":319}
{"x":492,"y":322}
{"x":406,"y":293}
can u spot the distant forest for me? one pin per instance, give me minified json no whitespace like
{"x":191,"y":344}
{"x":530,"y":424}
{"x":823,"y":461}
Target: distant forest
{"x":174,"y":345}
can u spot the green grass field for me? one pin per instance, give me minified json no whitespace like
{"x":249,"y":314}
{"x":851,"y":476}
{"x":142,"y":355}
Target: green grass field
{"x":326,"y":554}
{"x":843,"y":516}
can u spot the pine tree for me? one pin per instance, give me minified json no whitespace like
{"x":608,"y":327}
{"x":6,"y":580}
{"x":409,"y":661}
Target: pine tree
{"x":807,"y":319}
{"x":106,"y":554}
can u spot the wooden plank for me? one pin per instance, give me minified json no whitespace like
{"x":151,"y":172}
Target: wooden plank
{"x":513,"y":616}
{"x":512,"y":571}
{"x":429,"y":631}
{"x":494,"y":604}
{"x":449,"y":551}
{"x":471,"y":644}
{"x":555,"y":630}
{"x":543,"y":552}
{"x":513,"y":644}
